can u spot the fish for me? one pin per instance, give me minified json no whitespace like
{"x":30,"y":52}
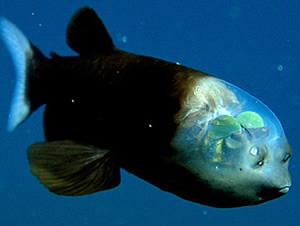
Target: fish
{"x":184,"y":131}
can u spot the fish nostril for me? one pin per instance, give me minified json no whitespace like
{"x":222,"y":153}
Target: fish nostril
{"x":286,"y":157}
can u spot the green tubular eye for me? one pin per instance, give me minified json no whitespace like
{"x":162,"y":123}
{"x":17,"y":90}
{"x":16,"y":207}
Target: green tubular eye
{"x":250,"y":119}
{"x":224,"y":126}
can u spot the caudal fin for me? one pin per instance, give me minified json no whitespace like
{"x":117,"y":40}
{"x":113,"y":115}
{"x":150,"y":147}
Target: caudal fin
{"x":23,"y":54}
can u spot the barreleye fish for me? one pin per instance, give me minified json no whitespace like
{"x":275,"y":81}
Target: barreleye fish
{"x":182,"y":130}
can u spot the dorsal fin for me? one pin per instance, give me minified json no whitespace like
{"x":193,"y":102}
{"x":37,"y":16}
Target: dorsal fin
{"x":87,"y":35}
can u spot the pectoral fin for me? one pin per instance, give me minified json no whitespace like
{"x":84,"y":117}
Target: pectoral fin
{"x":68,"y":168}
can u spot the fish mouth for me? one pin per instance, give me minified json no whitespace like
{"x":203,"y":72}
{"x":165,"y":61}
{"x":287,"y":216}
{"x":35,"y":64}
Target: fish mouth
{"x":275,"y":192}
{"x":284,"y":189}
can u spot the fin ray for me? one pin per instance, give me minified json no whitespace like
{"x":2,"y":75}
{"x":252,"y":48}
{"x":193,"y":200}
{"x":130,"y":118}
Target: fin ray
{"x":20,"y":49}
{"x":68,"y":168}
{"x":87,"y":35}
{"x":26,"y":58}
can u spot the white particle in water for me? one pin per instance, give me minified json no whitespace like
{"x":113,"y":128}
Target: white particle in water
{"x":280,"y":67}
{"x":124,"y":39}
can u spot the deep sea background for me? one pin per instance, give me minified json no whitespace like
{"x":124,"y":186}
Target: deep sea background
{"x":253,"y":44}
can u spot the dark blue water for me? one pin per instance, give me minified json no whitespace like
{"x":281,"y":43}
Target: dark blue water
{"x":253,"y":45}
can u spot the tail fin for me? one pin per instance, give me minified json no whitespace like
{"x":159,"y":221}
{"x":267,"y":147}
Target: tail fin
{"x":23,"y":54}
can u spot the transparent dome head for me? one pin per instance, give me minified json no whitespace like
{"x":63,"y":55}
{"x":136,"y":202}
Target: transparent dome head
{"x":223,"y":128}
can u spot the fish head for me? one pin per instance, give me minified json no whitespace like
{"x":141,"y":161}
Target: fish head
{"x":233,"y":144}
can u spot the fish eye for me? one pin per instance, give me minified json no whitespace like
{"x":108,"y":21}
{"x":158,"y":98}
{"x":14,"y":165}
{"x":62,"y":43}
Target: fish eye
{"x":286,"y":157}
{"x":224,"y":126}
{"x":250,"y":119}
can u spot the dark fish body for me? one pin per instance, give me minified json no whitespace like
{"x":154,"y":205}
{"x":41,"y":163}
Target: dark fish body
{"x":180,"y":129}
